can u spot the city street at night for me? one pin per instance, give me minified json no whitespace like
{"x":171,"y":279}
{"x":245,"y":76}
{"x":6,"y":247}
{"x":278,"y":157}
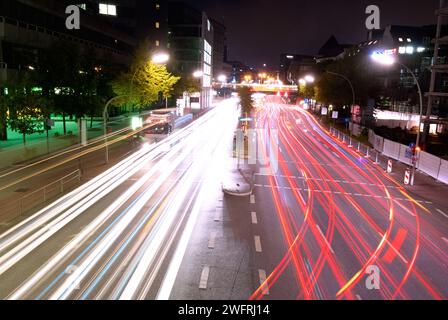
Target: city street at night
{"x":224,"y":159}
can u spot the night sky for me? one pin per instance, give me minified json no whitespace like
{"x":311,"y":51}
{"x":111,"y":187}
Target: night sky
{"x":260,"y":30}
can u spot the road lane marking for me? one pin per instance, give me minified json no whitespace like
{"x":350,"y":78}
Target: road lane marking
{"x":254,"y":218}
{"x":446,"y":240}
{"x":212,"y":240}
{"x":204,"y":278}
{"x":252,"y":199}
{"x":263,"y":284}
{"x":442,"y":213}
{"x":325,"y":239}
{"x":395,"y":246}
{"x":258,"y":244}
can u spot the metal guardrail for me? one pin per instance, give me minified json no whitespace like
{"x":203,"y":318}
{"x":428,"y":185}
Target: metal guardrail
{"x":40,"y":196}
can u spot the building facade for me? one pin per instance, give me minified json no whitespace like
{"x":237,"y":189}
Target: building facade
{"x":190,"y":43}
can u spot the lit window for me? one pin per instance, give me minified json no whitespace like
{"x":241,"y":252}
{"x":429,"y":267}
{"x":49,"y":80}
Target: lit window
{"x":402,"y":50}
{"x":108,"y":9}
{"x":83,"y":6}
{"x":420,"y":49}
{"x":157,"y":6}
{"x":209,"y":26}
{"x":157,"y":43}
{"x":409,"y":50}
{"x":157,"y":25}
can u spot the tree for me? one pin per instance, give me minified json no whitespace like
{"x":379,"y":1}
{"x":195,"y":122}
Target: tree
{"x":3,"y":118}
{"x":187,"y":84}
{"x":247,"y":103}
{"x":144,"y":82}
{"x":26,"y":112}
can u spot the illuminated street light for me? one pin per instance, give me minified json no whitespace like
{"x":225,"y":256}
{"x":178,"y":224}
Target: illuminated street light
{"x":160,"y":58}
{"x":198,"y":74}
{"x":310,"y":79}
{"x":222,"y":78}
{"x":389,"y":60}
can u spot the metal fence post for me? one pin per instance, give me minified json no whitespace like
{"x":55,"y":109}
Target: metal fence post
{"x":351,"y":143}
{"x":368,"y":152}
{"x":377,"y":158}
{"x":359,"y":146}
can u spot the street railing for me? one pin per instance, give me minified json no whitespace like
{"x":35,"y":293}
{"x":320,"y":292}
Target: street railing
{"x":40,"y":196}
{"x":367,"y":151}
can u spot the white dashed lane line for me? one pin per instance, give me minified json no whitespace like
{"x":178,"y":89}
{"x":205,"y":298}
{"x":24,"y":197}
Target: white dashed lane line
{"x":446,"y":240}
{"x":254,"y":218}
{"x":262,"y":276}
{"x":252,"y":199}
{"x":346,"y":194}
{"x":257,"y":241}
{"x":212,"y":240}
{"x":204,"y":278}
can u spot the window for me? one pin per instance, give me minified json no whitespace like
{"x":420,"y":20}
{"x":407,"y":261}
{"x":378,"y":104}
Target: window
{"x":157,"y":25}
{"x":157,"y":43}
{"x":157,"y":6}
{"x":409,"y":50}
{"x":108,"y":9}
{"x":83,"y":6}
{"x":209,"y":26}
{"x":402,"y":50}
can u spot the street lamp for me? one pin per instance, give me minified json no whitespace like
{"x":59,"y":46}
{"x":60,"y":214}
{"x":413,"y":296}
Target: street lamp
{"x":160,"y":58}
{"x":157,"y":58}
{"x":389,"y":60}
{"x":310,"y":79}
{"x":198,"y":74}
{"x":222,"y":78}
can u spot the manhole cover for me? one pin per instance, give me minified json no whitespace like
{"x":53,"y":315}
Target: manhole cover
{"x":22,"y":190}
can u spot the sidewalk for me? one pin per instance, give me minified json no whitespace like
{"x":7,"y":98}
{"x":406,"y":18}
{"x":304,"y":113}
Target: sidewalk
{"x":425,"y":187}
{"x":17,"y":154}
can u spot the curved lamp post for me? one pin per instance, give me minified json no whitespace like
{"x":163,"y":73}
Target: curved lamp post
{"x":389,"y":60}
{"x":157,"y":58}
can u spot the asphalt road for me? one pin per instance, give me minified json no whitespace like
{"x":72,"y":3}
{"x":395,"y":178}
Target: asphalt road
{"x":321,"y":219}
{"x":121,"y":234}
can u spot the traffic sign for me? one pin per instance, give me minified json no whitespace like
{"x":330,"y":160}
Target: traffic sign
{"x":335,"y":115}
{"x":389,"y":166}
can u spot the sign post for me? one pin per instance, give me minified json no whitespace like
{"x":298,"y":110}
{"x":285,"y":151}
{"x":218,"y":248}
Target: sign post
{"x":407,"y":176}
{"x":389,"y":166}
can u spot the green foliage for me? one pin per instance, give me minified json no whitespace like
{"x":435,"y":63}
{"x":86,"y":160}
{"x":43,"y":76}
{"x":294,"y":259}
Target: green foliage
{"x":335,"y":90}
{"x":308,"y":91}
{"x":247,"y":103}
{"x":26,"y":112}
{"x":187,"y":84}
{"x":143,"y":84}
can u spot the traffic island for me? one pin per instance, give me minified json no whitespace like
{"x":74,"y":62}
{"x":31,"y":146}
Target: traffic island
{"x":238,"y":183}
